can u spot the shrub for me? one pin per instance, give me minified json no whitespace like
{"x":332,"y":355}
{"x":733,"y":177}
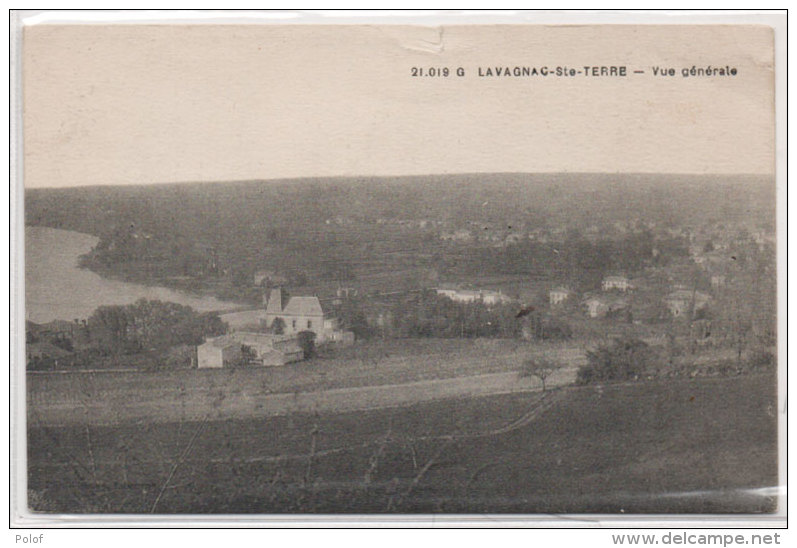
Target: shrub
{"x":619,"y":360}
{"x":307,"y":343}
{"x":278,"y":326}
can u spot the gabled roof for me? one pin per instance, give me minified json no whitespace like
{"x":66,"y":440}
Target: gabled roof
{"x":296,"y":306}
{"x":303,"y":306}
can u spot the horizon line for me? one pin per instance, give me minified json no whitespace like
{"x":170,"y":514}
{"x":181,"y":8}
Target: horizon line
{"x":322,"y":178}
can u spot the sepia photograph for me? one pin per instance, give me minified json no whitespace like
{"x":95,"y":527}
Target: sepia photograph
{"x":392,"y":270}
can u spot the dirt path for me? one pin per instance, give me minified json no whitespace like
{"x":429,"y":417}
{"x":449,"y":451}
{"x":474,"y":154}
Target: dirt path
{"x":220,"y":404}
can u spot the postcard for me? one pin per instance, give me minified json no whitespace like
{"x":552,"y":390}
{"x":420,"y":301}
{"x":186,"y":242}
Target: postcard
{"x":393,"y":270}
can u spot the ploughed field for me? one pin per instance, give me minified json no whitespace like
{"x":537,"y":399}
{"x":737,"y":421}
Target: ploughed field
{"x":700,"y":445}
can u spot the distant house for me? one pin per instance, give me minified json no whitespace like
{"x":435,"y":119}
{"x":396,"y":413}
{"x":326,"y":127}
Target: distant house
{"x":459,"y":295}
{"x":681,"y":301}
{"x":595,"y":307}
{"x":461,"y":235}
{"x":558,"y":295}
{"x":303,"y":313}
{"x":598,"y":306}
{"x":718,"y":281}
{"x":615,"y":282}
{"x":489,"y":298}
{"x":342,"y":294}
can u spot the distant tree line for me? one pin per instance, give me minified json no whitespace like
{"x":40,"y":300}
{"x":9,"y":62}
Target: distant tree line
{"x":180,"y":235}
{"x":576,"y":260}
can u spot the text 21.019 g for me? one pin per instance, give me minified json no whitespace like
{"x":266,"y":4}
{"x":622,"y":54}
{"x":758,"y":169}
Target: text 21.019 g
{"x":431,"y":71}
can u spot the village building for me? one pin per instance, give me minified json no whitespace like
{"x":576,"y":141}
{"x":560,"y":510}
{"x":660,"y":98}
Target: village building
{"x":269,"y":349}
{"x":558,"y":295}
{"x":487,"y":297}
{"x":248,"y":348}
{"x":218,"y":352}
{"x":303,"y":313}
{"x":343,"y":293}
{"x":619,"y":283}
{"x":598,"y":306}
{"x":717,"y":281}
{"x":461,"y":235}
{"x":681,"y":301}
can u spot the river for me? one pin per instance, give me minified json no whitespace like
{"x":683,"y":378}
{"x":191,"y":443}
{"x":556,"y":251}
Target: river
{"x":56,"y":289}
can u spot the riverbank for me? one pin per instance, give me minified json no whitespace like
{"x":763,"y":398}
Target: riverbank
{"x":56,"y":288}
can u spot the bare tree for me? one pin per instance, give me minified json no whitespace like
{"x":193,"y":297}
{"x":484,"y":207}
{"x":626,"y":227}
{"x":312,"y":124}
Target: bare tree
{"x":541,"y":368}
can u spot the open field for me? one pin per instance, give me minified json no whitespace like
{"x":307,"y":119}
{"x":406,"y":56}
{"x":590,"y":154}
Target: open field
{"x":700,"y":445}
{"x":488,"y":366}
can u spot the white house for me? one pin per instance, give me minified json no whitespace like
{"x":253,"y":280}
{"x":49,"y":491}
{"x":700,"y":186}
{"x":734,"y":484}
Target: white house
{"x":303,"y":313}
{"x":489,"y":298}
{"x":218,"y":352}
{"x":681,"y":301}
{"x":615,"y":282}
{"x":599,"y":306}
{"x":558,"y":295}
{"x":261,"y":349}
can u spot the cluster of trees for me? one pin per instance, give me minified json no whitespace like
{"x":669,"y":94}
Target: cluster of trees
{"x":621,"y":359}
{"x":144,"y":335}
{"x":150,"y":326}
{"x":631,"y":359}
{"x":431,"y":315}
{"x":426,"y":314}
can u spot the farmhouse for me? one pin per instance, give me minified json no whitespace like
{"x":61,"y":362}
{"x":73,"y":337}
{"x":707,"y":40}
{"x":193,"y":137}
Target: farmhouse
{"x":303,"y":313}
{"x":681,"y":301}
{"x":558,"y":295}
{"x":461,"y":235}
{"x":218,"y":352}
{"x":615,"y":282}
{"x":598,"y":306}
{"x":248,"y":347}
{"x":489,"y":298}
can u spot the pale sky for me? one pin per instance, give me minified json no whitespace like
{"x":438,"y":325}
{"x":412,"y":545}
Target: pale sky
{"x":122,"y":104}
